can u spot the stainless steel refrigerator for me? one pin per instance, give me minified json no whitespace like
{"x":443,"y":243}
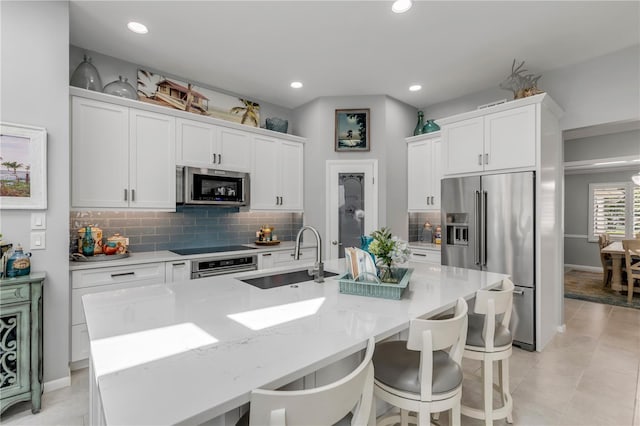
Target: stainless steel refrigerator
{"x":489,"y":224}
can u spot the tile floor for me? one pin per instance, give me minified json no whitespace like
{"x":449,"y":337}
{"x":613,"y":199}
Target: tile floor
{"x":588,"y":375}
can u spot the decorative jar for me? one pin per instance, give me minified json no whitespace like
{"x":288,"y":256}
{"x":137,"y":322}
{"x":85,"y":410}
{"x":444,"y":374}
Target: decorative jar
{"x":86,"y":76}
{"x":418,"y":130}
{"x":277,"y":124}
{"x":19,"y":263}
{"x":430,"y":126}
{"x":122,"y":88}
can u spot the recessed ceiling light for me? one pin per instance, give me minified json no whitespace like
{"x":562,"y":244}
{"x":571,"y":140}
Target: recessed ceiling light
{"x":415,"y":87}
{"x":296,"y":85}
{"x":137,"y":27}
{"x":401,"y":6}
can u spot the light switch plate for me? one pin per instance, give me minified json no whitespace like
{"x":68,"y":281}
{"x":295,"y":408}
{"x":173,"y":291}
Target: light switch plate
{"x":38,"y":220}
{"x":38,"y":240}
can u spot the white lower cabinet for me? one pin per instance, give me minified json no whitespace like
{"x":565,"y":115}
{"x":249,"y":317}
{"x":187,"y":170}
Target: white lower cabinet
{"x":97,"y":280}
{"x":284,"y":258}
{"x":177,"y":271}
{"x":425,"y":256}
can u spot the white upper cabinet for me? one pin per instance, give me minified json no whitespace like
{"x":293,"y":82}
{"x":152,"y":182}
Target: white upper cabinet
{"x":510,"y":139}
{"x":277,"y":175}
{"x":498,"y":141}
{"x":216,"y":147}
{"x":152,"y":177}
{"x":424,"y":171}
{"x":99,"y":154}
{"x":195,"y":143}
{"x":464,"y":143}
{"x":121,"y":157}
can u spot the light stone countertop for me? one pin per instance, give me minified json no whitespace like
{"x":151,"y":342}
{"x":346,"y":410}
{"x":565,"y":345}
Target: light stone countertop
{"x":187,"y":352}
{"x":167,"y":256}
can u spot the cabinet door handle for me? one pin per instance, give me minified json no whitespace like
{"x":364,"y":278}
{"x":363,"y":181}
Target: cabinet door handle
{"x":125,"y":194}
{"x":432,"y":202}
{"x":479,"y":159}
{"x":486,"y":158}
{"x":519,"y":292}
{"x":122,"y":274}
{"x":133,"y":195}
{"x":179,"y":264}
{"x":427,"y":200}
{"x":420,"y":254}
{"x":219,"y":158}
{"x":266,"y":254}
{"x":281,"y":201}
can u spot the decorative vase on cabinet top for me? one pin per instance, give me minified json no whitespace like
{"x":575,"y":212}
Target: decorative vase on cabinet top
{"x":86,"y":76}
{"x":122,"y":88}
{"x":19,"y":263}
{"x":430,"y":126}
{"x":418,"y":130}
{"x":277,"y":124}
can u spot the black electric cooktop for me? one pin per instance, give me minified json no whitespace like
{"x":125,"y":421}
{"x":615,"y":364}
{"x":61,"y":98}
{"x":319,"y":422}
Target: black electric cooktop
{"x":216,"y":249}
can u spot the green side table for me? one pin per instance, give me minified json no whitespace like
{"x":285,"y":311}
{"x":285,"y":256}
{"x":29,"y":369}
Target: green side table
{"x":21,"y":340}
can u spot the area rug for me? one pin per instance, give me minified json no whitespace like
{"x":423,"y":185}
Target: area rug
{"x":587,"y":286}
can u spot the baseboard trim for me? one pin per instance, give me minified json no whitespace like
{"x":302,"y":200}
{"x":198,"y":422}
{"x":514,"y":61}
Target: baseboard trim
{"x":584,"y":268}
{"x":57,"y":384}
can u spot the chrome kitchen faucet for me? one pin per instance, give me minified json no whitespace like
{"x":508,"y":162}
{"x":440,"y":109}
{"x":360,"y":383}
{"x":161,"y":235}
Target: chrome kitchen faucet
{"x":318,"y":267}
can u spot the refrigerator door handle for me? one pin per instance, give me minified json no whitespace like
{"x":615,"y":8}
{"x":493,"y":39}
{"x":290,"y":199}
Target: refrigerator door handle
{"x":476,"y":247}
{"x":484,"y":228}
{"x":519,"y":292}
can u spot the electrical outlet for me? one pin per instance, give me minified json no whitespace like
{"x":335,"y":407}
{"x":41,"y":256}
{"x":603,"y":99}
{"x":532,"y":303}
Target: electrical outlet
{"x":37,"y":240}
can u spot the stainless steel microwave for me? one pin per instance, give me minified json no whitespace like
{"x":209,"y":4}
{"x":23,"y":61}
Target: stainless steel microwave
{"x":196,"y":185}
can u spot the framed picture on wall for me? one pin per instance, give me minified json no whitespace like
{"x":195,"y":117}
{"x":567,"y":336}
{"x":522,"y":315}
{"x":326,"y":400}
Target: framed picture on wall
{"x":23,"y":167}
{"x":352,"y":130}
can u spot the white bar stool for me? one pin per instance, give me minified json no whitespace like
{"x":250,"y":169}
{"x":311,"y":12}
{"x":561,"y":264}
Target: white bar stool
{"x":423,"y":374}
{"x":489,"y":341}
{"x":324,"y":405}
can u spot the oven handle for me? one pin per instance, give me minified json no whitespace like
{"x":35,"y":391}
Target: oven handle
{"x":223,"y":271}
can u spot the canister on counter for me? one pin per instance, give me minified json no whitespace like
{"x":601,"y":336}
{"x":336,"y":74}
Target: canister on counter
{"x":120,"y":242}
{"x":438,"y":235}
{"x":96,"y":233}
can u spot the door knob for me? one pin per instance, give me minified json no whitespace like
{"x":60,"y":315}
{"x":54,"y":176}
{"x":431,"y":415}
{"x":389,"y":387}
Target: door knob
{"x":335,"y":243}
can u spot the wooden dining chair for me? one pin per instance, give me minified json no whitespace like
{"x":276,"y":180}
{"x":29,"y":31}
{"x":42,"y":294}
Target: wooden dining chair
{"x":605,"y":259}
{"x":632,"y":263}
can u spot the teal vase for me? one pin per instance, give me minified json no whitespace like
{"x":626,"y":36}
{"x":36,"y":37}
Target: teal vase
{"x":430,"y":126}
{"x":88,"y":243}
{"x":418,"y":130}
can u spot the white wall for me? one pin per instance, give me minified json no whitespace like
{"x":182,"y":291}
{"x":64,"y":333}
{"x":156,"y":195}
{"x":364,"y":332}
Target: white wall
{"x":390,"y":122}
{"x":34,"y":86}
{"x":601,"y":90}
{"x":400,"y":122}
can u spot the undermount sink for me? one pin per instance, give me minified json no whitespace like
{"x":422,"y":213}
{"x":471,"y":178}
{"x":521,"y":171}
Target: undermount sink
{"x":282,"y":278}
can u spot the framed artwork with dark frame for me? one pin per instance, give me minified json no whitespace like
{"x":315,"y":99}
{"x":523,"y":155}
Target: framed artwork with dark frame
{"x":352,"y":130}
{"x":23,"y":167}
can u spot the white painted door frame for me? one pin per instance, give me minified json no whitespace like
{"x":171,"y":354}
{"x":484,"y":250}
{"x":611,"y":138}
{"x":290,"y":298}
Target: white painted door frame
{"x":333,"y":169}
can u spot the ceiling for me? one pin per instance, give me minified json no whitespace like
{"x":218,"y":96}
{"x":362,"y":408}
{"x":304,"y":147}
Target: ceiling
{"x":354,"y":48}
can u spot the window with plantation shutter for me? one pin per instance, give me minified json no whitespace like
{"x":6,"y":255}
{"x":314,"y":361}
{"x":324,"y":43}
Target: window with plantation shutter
{"x":614,"y":210}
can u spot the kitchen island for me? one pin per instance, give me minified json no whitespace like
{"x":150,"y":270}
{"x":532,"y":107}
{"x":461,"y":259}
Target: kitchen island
{"x":188,"y":352}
